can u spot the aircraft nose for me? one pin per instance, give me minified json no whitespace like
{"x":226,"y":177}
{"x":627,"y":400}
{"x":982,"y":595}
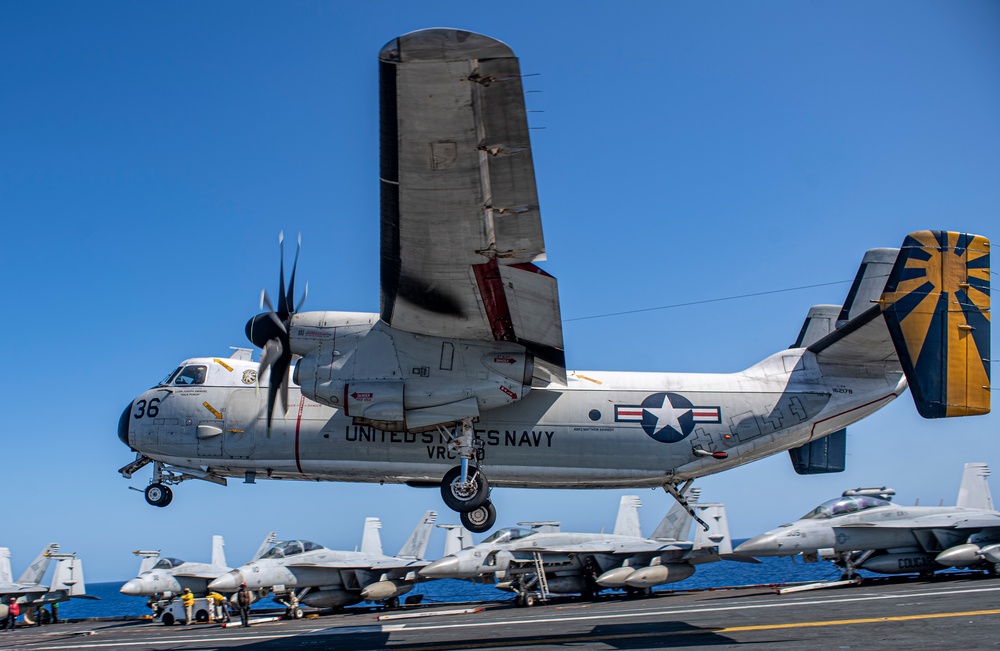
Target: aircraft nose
{"x":763,"y":545}
{"x":123,"y":424}
{"x":443,"y":568}
{"x":228,"y":582}
{"x":132,"y":588}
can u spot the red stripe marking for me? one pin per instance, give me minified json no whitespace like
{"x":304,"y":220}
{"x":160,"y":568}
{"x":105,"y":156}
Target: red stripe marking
{"x":298,"y":425}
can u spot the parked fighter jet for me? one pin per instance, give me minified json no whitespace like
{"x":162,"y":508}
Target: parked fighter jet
{"x":462,"y":372}
{"x":299,"y":571}
{"x":540,"y":560}
{"x":161,"y":578}
{"x":67,"y":582}
{"x":864,"y":529}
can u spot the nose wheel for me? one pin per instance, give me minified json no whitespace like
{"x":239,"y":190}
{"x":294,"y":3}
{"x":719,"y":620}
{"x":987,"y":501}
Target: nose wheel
{"x":158,"y":495}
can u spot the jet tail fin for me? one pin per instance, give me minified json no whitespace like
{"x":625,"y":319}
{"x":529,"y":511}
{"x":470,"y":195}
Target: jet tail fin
{"x":6,"y":576}
{"x":974,"y":492}
{"x":714,"y":515}
{"x":677,"y":523}
{"x":416,"y":545}
{"x":149,"y":559}
{"x":269,"y":540}
{"x":627,"y":523}
{"x":371,"y":540}
{"x":33,"y":573}
{"x":68,"y":576}
{"x":936,"y":304}
{"x":456,"y":538}
{"x":218,"y":551}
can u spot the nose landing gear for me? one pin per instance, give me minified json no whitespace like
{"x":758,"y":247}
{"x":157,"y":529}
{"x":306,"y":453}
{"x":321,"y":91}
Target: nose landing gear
{"x":465,"y":488}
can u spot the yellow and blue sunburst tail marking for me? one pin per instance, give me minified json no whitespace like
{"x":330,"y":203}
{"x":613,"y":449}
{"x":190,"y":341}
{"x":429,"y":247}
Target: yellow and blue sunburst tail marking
{"x":936,"y":304}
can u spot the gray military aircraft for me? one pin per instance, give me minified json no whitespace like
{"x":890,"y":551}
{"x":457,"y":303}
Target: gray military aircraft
{"x":300,"y":571}
{"x":461,"y":375}
{"x":537,"y":559}
{"x":67,"y":582}
{"x":864,"y":529}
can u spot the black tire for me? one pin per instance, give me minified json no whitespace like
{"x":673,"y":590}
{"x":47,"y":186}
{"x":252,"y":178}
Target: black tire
{"x":168,"y":619}
{"x":479,"y":520}
{"x":458,"y":500}
{"x":392,"y":604}
{"x":158,"y":495}
{"x":201,"y":616}
{"x":529,"y":600}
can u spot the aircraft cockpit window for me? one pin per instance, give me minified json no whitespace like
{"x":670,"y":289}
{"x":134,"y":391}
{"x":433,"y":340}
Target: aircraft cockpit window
{"x":507,"y":535}
{"x":170,"y":376}
{"x":194,"y":374}
{"x":277,"y":551}
{"x":843,"y":506}
{"x":292,"y":548}
{"x":310,"y":546}
{"x":167,"y":563}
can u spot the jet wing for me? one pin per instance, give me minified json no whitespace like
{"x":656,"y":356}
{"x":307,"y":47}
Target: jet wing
{"x":461,"y":228}
{"x":399,"y":564}
{"x":625,"y":547}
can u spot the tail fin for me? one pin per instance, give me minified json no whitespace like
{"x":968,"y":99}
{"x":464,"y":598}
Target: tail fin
{"x":416,"y":545}
{"x":936,"y":305}
{"x":821,"y":321}
{"x":974,"y":492}
{"x":218,"y":551}
{"x":677,"y":523}
{"x":68,"y":576}
{"x":6,"y":576}
{"x":869,"y":283}
{"x":34,"y":572}
{"x":269,"y":540}
{"x":371,"y":541}
{"x":456,"y":538}
{"x":627,"y":523}
{"x":149,"y":559}
{"x":714,"y":515}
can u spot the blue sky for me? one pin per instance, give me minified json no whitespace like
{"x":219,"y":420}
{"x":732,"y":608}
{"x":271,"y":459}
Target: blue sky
{"x":151,"y":152}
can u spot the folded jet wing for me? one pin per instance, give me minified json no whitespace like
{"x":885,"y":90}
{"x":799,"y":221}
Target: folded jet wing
{"x":461,"y":228}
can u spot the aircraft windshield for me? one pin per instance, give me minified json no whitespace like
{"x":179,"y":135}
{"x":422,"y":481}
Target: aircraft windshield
{"x":508,"y":535}
{"x":170,"y":376}
{"x":194,"y":374}
{"x":844,"y":505}
{"x":286,"y":548}
{"x":167,"y":563}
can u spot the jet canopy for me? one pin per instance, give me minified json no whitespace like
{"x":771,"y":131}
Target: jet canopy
{"x":509,"y":535}
{"x":843,"y":506}
{"x":286,"y":548}
{"x":167,"y":563}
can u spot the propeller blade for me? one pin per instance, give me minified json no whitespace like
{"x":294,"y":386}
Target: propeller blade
{"x":266,"y":302}
{"x":278,"y":382}
{"x":304,"y":294}
{"x":291,"y":281}
{"x":282,"y":305}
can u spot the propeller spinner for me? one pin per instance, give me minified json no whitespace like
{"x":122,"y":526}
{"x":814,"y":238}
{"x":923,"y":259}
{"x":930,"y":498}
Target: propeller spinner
{"x":269,"y":332}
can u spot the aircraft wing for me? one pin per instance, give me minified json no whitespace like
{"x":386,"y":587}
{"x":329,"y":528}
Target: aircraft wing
{"x":461,"y":228}
{"x":399,"y":564}
{"x":624,"y":547}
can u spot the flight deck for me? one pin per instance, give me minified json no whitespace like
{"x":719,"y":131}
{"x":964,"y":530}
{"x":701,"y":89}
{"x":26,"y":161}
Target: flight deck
{"x":939,"y":612}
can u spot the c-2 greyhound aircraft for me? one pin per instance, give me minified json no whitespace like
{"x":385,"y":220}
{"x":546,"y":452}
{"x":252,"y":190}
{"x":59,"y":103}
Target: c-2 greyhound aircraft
{"x":67,"y":582}
{"x":864,"y":529}
{"x":303,"y":571}
{"x":461,"y":375}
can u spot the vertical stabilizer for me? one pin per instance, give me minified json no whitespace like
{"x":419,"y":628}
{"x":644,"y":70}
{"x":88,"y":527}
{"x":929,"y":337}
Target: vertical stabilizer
{"x":937,"y":307}
{"x":456,"y":538}
{"x":269,"y":540}
{"x":6,"y":576}
{"x":68,"y":576}
{"x":821,"y":321}
{"x":34,"y":572}
{"x":677,"y":523}
{"x":218,"y":552}
{"x":627,"y":523}
{"x":149,"y":559}
{"x":416,"y":545}
{"x":371,"y":541}
{"x":718,"y":529}
{"x":974,"y":493}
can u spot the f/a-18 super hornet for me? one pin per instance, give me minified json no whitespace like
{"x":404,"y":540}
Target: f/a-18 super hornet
{"x":537,"y":559}
{"x":300,"y":571}
{"x":29,"y":592}
{"x":864,"y":529}
{"x":164,"y":577}
{"x":459,"y":381}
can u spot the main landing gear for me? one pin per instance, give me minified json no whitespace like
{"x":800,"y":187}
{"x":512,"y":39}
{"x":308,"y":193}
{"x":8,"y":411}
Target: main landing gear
{"x":464,"y":487}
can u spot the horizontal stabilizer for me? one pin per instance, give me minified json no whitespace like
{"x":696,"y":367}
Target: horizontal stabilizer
{"x":974,"y":492}
{"x":825,"y":455}
{"x":821,"y":321}
{"x":936,"y":305}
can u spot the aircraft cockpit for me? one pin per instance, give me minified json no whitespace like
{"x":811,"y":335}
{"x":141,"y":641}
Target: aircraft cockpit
{"x":167,"y":563}
{"x":509,"y":535}
{"x":213,"y":372}
{"x":286,"y":548}
{"x":843,"y":506}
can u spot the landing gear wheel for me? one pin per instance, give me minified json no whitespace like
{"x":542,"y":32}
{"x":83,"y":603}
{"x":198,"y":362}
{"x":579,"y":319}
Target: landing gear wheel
{"x":479,"y":520}
{"x":158,"y":495}
{"x":529,"y":600}
{"x":468,"y":496}
{"x":392,"y":604}
{"x":295,"y":613}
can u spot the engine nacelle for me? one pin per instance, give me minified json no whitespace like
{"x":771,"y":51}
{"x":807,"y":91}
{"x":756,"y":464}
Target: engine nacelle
{"x":383,"y":590}
{"x":331,"y":598}
{"x":901,"y":563}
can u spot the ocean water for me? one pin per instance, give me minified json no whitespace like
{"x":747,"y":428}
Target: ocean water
{"x":112,"y":603}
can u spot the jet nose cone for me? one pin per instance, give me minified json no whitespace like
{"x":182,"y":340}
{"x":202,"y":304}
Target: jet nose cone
{"x":132,"y":587}
{"x":443,"y":568}
{"x":123,"y":424}
{"x":228,"y":582}
{"x":764,"y":545}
